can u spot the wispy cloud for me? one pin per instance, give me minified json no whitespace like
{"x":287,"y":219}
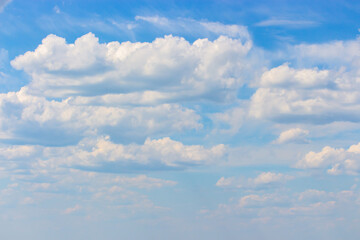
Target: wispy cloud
{"x":188,"y":25}
{"x":287,"y":23}
{"x":3,"y":4}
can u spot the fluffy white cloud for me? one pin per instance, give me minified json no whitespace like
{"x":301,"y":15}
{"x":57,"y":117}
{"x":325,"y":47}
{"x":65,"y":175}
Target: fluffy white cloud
{"x":294,"y":135}
{"x":204,"y":69}
{"x":337,"y":161}
{"x":307,"y":106}
{"x":23,"y":115}
{"x":100,"y":154}
{"x":286,"y":77}
{"x":265,"y":179}
{"x":153,"y":153}
{"x":321,"y":88}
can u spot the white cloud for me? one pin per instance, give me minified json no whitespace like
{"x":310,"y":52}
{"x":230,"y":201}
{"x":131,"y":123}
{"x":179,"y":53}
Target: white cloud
{"x":13,"y":152}
{"x":228,"y":30}
{"x":70,"y":210}
{"x":269,"y":177}
{"x":100,"y":154}
{"x":335,"y":53}
{"x":19,"y":111}
{"x":315,"y":106}
{"x":286,"y":77}
{"x":187,"y":25}
{"x":336,"y":161}
{"x":294,"y":135}
{"x":321,"y":88}
{"x":168,"y":65}
{"x":162,"y":21}
{"x":263,"y":180}
{"x":160,"y":152}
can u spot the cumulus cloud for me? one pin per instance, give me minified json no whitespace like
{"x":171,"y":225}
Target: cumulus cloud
{"x":294,"y":135}
{"x":100,"y":154}
{"x":153,"y":153}
{"x":315,"y":106}
{"x":322,"y":87}
{"x":286,"y":77}
{"x":336,"y":161}
{"x":23,"y":115}
{"x":263,"y":180}
{"x":168,"y":65}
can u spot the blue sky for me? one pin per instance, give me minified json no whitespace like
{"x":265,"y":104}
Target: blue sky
{"x":179,"y":119}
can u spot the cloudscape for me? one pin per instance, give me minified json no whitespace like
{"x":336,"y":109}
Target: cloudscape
{"x":179,"y":120}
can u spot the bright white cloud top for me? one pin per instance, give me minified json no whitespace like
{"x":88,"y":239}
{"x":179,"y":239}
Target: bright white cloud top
{"x":147,"y":124}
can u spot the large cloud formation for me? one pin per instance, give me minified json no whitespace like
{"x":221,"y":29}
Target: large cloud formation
{"x":171,"y":67}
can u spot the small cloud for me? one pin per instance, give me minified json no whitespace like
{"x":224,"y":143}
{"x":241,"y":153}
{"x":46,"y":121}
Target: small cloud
{"x":72,"y":210}
{"x":294,"y":135}
{"x":270,"y":177}
{"x":264,"y":179}
{"x":156,"y":20}
{"x":57,"y":9}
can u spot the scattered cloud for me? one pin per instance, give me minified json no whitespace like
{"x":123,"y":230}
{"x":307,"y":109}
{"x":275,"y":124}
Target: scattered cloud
{"x":294,"y":135}
{"x":336,"y":161}
{"x":263,"y":180}
{"x":71,"y":210}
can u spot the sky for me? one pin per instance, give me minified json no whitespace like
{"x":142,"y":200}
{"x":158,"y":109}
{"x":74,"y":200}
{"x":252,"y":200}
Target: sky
{"x":179,"y":119}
